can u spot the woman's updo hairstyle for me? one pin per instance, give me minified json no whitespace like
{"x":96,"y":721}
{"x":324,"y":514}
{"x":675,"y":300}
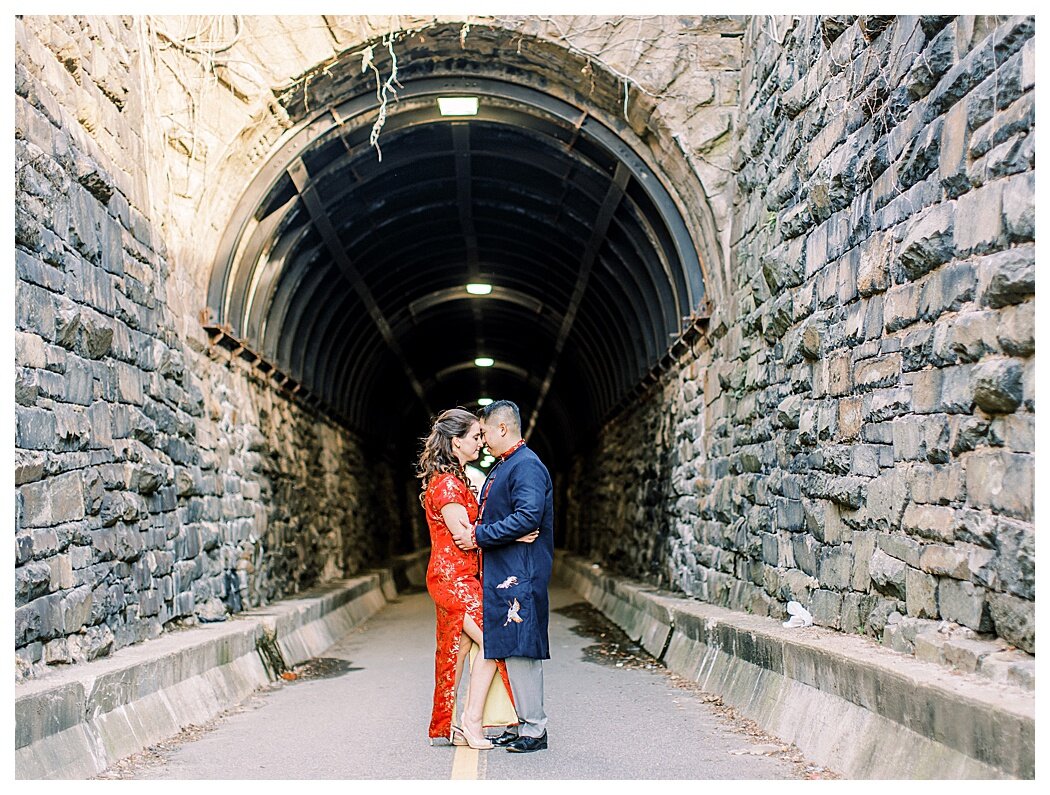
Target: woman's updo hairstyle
{"x":437,"y":456}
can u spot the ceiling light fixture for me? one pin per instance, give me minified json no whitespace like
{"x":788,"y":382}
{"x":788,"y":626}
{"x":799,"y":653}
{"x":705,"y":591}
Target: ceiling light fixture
{"x":484,"y":401}
{"x":458,"y":106}
{"x":484,"y":361}
{"x":477,"y":288}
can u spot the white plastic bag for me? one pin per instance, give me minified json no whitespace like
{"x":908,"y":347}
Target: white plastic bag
{"x":800,"y":616}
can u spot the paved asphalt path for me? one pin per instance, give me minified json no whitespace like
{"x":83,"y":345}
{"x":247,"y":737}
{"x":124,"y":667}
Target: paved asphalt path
{"x":368,"y":719}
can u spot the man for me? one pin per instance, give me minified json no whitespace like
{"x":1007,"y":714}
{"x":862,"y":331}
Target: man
{"x":516,"y":501}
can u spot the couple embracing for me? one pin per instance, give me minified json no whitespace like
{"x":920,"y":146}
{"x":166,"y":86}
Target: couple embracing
{"x":490,"y":563}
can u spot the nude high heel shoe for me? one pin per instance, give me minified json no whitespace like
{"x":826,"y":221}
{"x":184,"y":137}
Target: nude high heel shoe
{"x":478,"y":744}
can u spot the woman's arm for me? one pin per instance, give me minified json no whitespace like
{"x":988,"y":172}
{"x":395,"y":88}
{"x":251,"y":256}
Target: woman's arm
{"x":455,"y":516}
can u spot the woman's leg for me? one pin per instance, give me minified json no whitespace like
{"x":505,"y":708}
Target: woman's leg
{"x":481,"y":673}
{"x":464,"y":649}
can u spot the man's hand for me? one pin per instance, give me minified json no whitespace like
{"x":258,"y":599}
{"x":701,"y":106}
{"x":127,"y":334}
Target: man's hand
{"x":528,"y":539}
{"x":461,"y":536}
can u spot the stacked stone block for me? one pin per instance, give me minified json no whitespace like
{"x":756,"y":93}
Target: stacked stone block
{"x":865,"y":396}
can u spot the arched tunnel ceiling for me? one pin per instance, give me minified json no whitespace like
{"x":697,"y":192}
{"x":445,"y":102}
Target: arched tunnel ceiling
{"x":347,"y":269}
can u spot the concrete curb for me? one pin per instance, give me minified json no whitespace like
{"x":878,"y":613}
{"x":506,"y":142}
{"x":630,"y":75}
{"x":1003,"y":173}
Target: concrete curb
{"x":78,"y":721}
{"x":860,"y":709}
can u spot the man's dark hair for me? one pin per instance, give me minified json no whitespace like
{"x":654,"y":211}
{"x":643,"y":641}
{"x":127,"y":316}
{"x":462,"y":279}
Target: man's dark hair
{"x":505,"y":410}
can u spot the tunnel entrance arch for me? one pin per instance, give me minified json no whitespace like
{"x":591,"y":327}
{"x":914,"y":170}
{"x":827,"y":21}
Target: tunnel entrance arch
{"x":344,"y":265}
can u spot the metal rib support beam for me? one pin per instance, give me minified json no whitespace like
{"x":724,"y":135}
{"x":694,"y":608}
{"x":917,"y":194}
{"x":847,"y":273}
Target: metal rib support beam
{"x":323,"y":224}
{"x":461,"y":146}
{"x":461,"y":142}
{"x":590,"y":254}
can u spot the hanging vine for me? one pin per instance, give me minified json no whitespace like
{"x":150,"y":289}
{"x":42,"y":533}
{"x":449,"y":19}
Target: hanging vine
{"x":384,"y":88}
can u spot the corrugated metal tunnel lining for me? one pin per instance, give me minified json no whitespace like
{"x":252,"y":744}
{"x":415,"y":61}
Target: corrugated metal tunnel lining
{"x":348,"y":271}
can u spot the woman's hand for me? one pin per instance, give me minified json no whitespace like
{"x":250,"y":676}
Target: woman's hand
{"x":530,"y":537}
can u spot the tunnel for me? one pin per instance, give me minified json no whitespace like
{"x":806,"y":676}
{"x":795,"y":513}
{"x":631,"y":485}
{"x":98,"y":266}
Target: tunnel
{"x":391,"y":259}
{"x":762,"y":287}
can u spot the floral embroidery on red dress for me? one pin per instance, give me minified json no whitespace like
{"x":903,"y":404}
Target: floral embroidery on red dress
{"x":453,"y":581}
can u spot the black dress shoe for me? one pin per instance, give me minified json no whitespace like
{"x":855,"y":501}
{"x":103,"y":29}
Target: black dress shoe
{"x":503,"y":739}
{"x":524,"y":745}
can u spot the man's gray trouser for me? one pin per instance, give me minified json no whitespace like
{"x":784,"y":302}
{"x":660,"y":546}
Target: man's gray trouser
{"x":526,"y":683}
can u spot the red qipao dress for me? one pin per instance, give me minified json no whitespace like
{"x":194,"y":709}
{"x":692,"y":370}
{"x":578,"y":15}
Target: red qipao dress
{"x":453,"y":581}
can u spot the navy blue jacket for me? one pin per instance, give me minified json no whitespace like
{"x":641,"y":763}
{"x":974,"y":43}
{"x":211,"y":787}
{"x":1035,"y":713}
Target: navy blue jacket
{"x":519,"y":498}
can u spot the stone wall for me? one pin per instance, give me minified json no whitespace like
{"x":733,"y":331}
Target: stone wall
{"x":157,"y":481}
{"x":855,"y":430}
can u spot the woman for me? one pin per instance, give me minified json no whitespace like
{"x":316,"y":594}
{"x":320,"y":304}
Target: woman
{"x":453,"y":581}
